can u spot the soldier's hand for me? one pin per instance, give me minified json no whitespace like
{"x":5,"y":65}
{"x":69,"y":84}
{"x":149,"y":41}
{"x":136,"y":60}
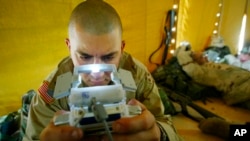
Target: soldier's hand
{"x":199,"y":58}
{"x":60,"y":133}
{"x":138,"y":128}
{"x":64,"y":132}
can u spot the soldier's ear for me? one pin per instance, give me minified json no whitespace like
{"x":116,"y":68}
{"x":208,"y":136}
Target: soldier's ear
{"x":67,"y":41}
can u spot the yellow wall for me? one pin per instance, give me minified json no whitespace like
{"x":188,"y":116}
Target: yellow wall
{"x":197,"y":18}
{"x":32,"y":35}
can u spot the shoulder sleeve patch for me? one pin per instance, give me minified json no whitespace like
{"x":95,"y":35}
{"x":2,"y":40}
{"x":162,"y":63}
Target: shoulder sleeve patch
{"x":43,"y":90}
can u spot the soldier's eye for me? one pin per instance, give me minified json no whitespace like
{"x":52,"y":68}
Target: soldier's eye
{"x":107,"y":58}
{"x":85,"y":57}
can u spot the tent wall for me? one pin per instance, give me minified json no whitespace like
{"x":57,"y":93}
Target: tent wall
{"x":197,"y":19}
{"x":32,"y":35}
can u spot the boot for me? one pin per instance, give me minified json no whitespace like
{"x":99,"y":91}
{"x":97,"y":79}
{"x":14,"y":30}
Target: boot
{"x":215,"y":126}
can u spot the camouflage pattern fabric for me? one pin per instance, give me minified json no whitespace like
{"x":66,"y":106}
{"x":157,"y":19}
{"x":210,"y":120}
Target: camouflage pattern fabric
{"x":13,"y":125}
{"x":173,"y":77}
{"x":168,"y":105}
{"x":9,"y":127}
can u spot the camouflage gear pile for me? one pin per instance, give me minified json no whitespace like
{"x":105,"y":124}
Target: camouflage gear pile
{"x":13,"y":125}
{"x":231,"y":81}
{"x":168,"y":105}
{"x":9,"y":127}
{"x":173,"y":77}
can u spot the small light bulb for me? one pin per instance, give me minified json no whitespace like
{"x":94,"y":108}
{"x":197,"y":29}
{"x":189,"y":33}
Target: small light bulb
{"x":173,"y":41}
{"x":173,"y":29}
{"x":172,"y":51}
{"x":175,"y":6}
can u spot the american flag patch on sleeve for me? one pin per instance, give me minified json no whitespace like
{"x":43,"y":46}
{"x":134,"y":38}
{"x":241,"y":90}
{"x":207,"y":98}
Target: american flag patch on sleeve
{"x":43,"y":90}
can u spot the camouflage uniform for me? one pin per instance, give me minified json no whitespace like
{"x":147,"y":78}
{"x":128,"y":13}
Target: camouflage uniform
{"x":232,"y":81}
{"x":43,"y":106}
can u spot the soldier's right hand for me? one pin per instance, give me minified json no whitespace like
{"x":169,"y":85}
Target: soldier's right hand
{"x":61,"y":133}
{"x":64,"y":132}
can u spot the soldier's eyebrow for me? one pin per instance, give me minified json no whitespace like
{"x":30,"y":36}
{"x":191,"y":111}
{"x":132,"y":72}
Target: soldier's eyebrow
{"x":105,"y":55}
{"x":110,"y":54}
{"x":84,"y":54}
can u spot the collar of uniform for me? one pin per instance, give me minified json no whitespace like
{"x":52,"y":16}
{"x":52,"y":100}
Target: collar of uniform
{"x":127,"y":62}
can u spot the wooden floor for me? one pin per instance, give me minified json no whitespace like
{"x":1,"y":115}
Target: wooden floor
{"x":189,"y":130}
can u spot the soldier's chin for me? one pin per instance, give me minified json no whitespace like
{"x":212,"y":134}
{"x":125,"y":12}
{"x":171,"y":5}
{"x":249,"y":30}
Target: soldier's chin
{"x":98,"y":83}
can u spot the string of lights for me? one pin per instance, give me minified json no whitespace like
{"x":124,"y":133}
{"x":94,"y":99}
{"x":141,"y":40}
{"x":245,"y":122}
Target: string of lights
{"x":217,"y":24}
{"x":174,"y":28}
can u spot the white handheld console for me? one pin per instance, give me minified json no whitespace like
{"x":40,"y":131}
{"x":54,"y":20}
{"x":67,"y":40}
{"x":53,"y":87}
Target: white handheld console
{"x":94,"y":108}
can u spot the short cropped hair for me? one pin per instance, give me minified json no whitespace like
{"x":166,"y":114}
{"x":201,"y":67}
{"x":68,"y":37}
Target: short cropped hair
{"x":96,"y":17}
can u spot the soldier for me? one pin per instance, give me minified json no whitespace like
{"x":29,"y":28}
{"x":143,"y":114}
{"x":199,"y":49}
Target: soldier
{"x":95,"y":37}
{"x":232,"y":81}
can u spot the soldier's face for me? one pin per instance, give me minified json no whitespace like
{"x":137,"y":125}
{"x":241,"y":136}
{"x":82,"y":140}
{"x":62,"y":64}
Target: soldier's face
{"x":87,"y":48}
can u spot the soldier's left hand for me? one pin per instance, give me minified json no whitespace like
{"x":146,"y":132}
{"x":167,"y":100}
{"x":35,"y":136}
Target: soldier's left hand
{"x":138,"y":128}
